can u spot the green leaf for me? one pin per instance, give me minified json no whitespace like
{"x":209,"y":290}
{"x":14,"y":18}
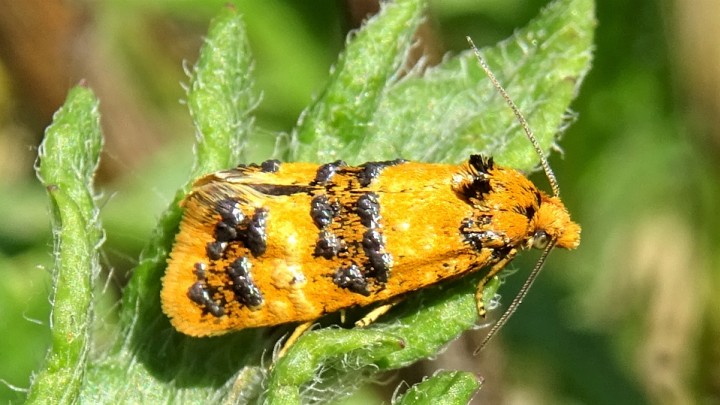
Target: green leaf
{"x":151,"y":354}
{"x":68,"y":158}
{"x":221,"y":97}
{"x":334,"y":351}
{"x":443,"y":388}
{"x":452,"y":110}
{"x":342,"y":114}
{"x":334,"y":362}
{"x":431,"y":319}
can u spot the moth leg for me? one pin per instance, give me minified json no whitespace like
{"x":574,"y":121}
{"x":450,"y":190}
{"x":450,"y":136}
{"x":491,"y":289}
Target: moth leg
{"x":376,"y":313}
{"x":299,"y":330}
{"x":495,"y":269}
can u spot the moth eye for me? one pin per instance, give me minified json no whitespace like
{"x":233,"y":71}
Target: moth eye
{"x":540,"y":239}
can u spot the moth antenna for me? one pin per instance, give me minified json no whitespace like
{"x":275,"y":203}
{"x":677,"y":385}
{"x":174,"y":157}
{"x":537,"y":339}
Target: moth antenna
{"x":523,"y":123}
{"x":553,"y":184}
{"x":517,"y":300}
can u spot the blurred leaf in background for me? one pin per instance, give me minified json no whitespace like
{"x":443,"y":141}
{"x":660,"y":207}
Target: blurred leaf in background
{"x":631,"y":317}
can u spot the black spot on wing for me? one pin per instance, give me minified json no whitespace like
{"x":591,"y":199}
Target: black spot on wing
{"x":200,"y":270}
{"x":371,"y":170}
{"x":230,"y":211}
{"x":214,"y":250}
{"x":351,"y":278}
{"x":378,"y":259}
{"x":368,"y":209}
{"x":231,"y":217}
{"x":328,"y":245}
{"x":245,"y":289}
{"x":225,"y":232}
{"x":322,"y":211}
{"x":326,"y":172}
{"x":200,"y":294}
{"x":270,"y":166}
{"x":256,"y":233}
{"x":235,"y":227}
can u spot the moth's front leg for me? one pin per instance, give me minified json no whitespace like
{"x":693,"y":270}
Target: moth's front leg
{"x":495,"y":269}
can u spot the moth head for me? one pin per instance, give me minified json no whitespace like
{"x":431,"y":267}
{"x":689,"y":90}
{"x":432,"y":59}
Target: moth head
{"x":552,"y":223}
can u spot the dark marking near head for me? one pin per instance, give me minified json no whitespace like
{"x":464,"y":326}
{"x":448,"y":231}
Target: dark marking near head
{"x":351,"y":279}
{"x":256,"y":233}
{"x":270,"y":166}
{"x":326,"y":172}
{"x":215,"y":250}
{"x":480,"y":178}
{"x":474,"y":239}
{"x":478,"y":237}
{"x":245,"y":289}
{"x":500,"y":253}
{"x":371,"y":170}
{"x":484,"y":219}
{"x":529,"y":212}
{"x":199,"y":294}
{"x":469,"y":235}
{"x":322,"y":211}
{"x":368,"y":209}
{"x":200,"y":270}
{"x":328,"y":245}
{"x":479,"y":186}
{"x":279,"y":189}
{"x":481,"y":163}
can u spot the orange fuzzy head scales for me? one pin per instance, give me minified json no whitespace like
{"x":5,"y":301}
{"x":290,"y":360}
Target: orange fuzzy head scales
{"x":554,"y":219}
{"x":512,"y":208}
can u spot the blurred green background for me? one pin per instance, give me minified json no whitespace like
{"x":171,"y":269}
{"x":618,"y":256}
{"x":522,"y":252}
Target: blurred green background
{"x":631,"y":317}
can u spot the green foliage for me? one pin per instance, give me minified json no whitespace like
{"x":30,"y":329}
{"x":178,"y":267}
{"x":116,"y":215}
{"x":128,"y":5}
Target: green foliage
{"x":341,"y":117}
{"x":368,"y":111}
{"x":68,"y":158}
{"x":452,"y":110}
{"x":445,"y":387}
